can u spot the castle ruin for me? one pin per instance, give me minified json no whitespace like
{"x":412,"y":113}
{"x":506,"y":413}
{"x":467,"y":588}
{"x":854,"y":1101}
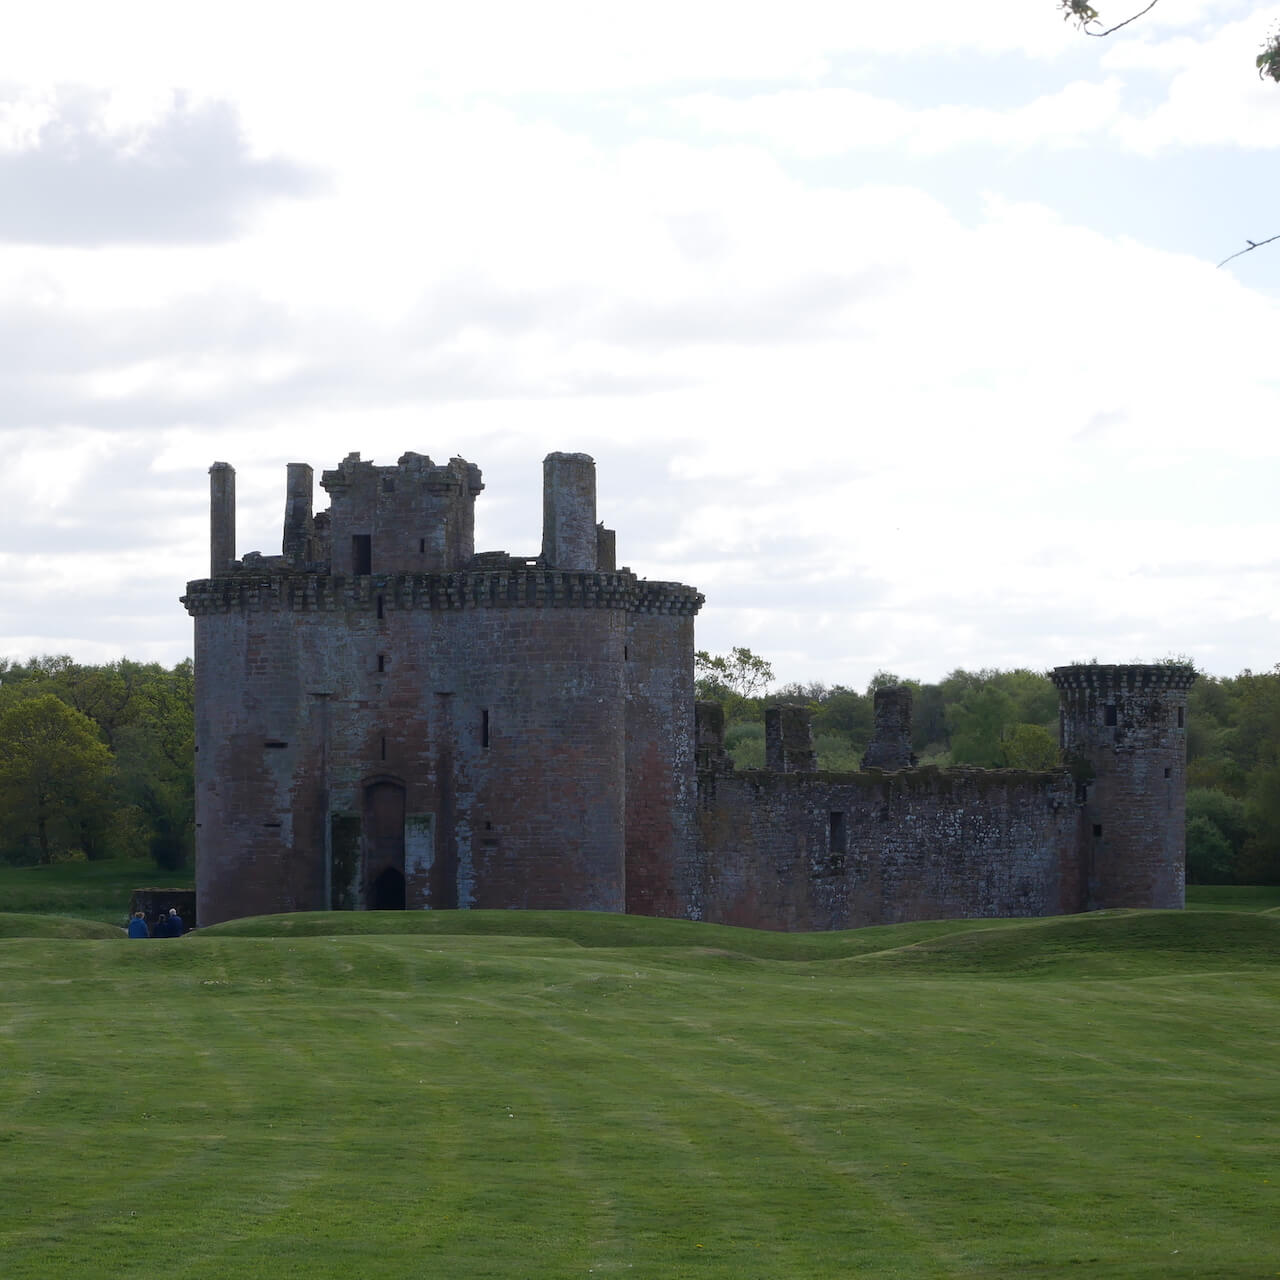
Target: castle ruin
{"x":387,"y":719}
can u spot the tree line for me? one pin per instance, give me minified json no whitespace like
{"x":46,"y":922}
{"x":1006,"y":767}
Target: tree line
{"x":96,"y":761}
{"x":1009,"y":719}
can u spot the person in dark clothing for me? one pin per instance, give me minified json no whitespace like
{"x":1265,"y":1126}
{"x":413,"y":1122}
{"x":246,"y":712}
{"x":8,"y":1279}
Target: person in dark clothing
{"x":138,"y":926}
{"x":176,"y":927}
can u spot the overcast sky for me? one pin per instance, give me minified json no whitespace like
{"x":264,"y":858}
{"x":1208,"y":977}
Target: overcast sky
{"x":894,"y":329}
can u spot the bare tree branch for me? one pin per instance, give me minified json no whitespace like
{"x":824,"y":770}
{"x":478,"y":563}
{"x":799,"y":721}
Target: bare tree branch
{"x":1252,"y":245}
{"x":1118,"y":25}
{"x":1084,"y":13}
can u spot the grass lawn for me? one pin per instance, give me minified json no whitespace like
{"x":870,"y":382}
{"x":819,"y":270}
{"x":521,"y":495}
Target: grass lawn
{"x":518,"y":1094}
{"x":90,"y":890}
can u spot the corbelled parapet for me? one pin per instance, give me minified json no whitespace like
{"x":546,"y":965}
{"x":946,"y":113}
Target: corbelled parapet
{"x":788,"y":740}
{"x":1126,"y":677}
{"x":890,"y":747}
{"x":504,"y":588}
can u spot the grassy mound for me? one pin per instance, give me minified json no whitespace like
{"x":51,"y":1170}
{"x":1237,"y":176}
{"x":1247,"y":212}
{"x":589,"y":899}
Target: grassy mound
{"x":596,"y":929}
{"x":19,"y":925}
{"x":1096,"y":945}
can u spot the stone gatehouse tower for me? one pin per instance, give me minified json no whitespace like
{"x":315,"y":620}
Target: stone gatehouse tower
{"x":386,"y":719}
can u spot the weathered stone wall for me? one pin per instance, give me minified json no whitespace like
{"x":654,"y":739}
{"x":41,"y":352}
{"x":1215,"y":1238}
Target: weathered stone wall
{"x":386,"y":719}
{"x":480,"y":737}
{"x":504,"y":723}
{"x":837,"y":851}
{"x":660,"y":781}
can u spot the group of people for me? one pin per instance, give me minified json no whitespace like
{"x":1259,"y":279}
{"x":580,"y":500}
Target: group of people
{"x":163,"y":926}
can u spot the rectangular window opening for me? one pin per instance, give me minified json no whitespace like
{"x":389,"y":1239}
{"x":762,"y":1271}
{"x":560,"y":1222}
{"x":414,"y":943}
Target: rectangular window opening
{"x":422,"y":546}
{"x":379,"y":606}
{"x":1182,"y":724}
{"x":361,"y":553}
{"x":388,"y":484}
{"x":1097,"y":831}
{"x":1168,"y":772}
{"x":484,"y":728}
{"x":626,"y":653}
{"x":836,"y":834}
{"x":382,"y":662}
{"x":274,"y":745}
{"x":1109,"y":715}
{"x":384,"y":748}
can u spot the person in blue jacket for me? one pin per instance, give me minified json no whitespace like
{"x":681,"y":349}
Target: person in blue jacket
{"x":138,"y":926}
{"x":176,"y":927}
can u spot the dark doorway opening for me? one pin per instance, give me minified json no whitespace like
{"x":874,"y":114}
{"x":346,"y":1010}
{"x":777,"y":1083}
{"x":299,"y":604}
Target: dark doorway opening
{"x":361,"y":553}
{"x":388,"y":891}
{"x":384,"y":846}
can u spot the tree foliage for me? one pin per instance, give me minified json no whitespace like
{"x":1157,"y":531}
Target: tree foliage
{"x":141,"y":716}
{"x":55,"y":774}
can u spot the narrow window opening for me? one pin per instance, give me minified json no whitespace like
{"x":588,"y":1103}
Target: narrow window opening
{"x":422,"y":545}
{"x":384,"y":748}
{"x":1168,"y":772}
{"x":274,"y":745}
{"x":1181,"y":718}
{"x":1097,"y":831}
{"x":484,"y":728}
{"x":488,"y":826}
{"x":379,"y":606}
{"x":1109,"y":716}
{"x":836,"y":834}
{"x":382,"y":662}
{"x":271,"y":824}
{"x":388,"y":484}
{"x":626,"y":653}
{"x":361,"y":553}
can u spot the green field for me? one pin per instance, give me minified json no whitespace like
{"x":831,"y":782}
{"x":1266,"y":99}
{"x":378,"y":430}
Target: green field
{"x":89,"y":890}
{"x":512,"y":1094}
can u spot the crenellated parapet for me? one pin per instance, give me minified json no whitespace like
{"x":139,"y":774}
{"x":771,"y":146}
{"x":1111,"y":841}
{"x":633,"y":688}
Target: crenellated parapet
{"x":481,"y":589}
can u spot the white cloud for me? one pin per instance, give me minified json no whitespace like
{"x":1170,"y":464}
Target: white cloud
{"x":829,"y":121}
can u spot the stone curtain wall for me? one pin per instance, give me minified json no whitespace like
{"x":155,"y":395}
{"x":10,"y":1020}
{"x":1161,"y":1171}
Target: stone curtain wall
{"x":838,"y":851}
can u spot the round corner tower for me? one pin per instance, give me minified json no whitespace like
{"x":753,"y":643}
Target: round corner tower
{"x":1123,"y":728}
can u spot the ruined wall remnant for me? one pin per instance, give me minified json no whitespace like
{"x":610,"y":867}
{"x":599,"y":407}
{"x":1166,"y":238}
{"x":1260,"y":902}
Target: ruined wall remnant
{"x":222,"y":518}
{"x":891,"y":744}
{"x":788,"y":740}
{"x":387,"y":720}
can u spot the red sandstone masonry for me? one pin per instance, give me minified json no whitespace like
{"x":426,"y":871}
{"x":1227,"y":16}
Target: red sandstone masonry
{"x":385,"y":717}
